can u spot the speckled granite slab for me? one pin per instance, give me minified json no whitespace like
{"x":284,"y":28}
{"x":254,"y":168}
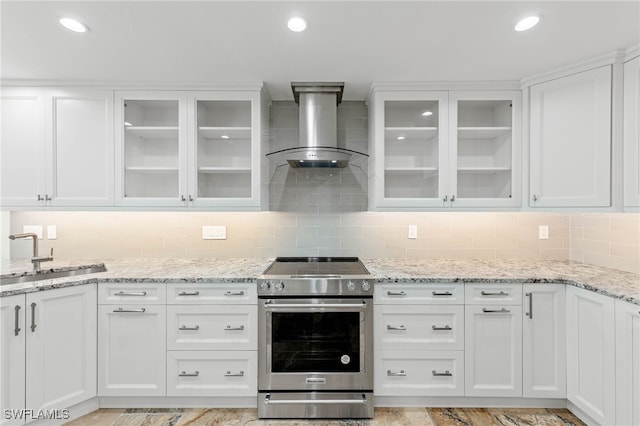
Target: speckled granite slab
{"x":611,"y":282}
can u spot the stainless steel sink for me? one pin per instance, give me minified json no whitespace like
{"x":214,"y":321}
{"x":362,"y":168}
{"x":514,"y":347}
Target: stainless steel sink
{"x":49,"y":275}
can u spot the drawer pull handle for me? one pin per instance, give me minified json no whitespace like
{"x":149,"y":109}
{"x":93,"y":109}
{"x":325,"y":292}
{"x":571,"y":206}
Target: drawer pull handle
{"x":33,"y":317}
{"x":195,"y":327}
{"x":446,"y":327}
{"x":489,"y":293}
{"x":396,"y":293}
{"x":16,"y":330}
{"x":230,"y":374}
{"x":185,"y":374}
{"x":400,"y":373}
{"x":234,"y":293}
{"x":122,"y":293}
{"x":187,"y":293}
{"x":397,"y":327}
{"x":230,"y":328}
{"x":446,"y":373}
{"x":496,"y":311}
{"x":442,"y":293}
{"x":120,"y":310}
{"x":530,"y":313}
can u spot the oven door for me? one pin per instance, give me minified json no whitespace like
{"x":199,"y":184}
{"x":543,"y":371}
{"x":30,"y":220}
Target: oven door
{"x":315,"y":344}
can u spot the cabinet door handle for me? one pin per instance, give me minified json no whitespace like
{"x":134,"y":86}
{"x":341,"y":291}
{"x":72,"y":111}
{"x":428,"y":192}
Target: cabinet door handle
{"x":453,"y":198}
{"x":489,"y":293}
{"x":230,"y":374}
{"x":33,"y":317}
{"x":40,"y":198}
{"x":535,"y":197}
{"x":446,"y":198}
{"x":446,"y":373}
{"x":446,"y":327}
{"x":190,"y":198}
{"x":230,"y":328}
{"x":195,"y":327}
{"x":16,"y":330}
{"x":120,"y":310}
{"x":530,"y":313}
{"x":122,"y":293}
{"x":396,"y":293}
{"x":397,"y":327}
{"x":396,"y":373}
{"x":443,"y":293}
{"x":234,"y":293}
{"x":496,"y":311}
{"x":187,"y":293}
{"x":185,"y":374}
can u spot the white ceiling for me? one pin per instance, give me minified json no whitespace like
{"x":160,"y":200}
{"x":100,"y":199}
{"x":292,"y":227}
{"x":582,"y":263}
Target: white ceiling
{"x":193,"y":42}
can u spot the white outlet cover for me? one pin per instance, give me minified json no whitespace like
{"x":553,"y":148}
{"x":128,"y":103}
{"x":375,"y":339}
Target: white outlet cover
{"x":214,"y":232}
{"x":413,"y":232}
{"x":36,"y":229}
{"x":543,"y":232}
{"x":52,"y":232}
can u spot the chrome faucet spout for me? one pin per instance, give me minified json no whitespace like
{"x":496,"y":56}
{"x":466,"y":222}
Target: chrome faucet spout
{"x":36,"y":260}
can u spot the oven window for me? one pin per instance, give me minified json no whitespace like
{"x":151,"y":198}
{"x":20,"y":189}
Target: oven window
{"x":315,"y":342}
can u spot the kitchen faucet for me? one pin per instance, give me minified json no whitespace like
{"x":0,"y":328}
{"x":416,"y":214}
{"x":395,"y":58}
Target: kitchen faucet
{"x":35,"y":259}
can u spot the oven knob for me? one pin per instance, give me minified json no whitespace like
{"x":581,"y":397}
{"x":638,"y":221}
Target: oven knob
{"x":279,"y":286}
{"x":265,"y":286}
{"x":351,"y":286}
{"x":366,"y":286}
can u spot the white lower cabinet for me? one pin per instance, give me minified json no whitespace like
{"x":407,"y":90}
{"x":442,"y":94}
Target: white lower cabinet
{"x":544,"y":370}
{"x":591,"y":354}
{"x":132,"y":341}
{"x":627,"y":363}
{"x":48,"y":352}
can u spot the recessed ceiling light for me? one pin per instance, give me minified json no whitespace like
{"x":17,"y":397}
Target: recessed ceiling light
{"x":225,"y":136}
{"x":427,"y":113}
{"x":297,"y":24}
{"x":127,"y":124}
{"x":400,"y":138}
{"x":73,"y":25}
{"x":526,"y":23}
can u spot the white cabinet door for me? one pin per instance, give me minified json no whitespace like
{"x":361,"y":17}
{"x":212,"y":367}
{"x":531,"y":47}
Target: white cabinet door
{"x":632,"y":133}
{"x":132,"y":350}
{"x":12,"y":357}
{"x":493,"y":350}
{"x":591,"y":354}
{"x":80,"y":147}
{"x":484,"y":148}
{"x":61,"y":347}
{"x":627,"y":363}
{"x":570,"y":141}
{"x":22,"y":155}
{"x":544,"y":341}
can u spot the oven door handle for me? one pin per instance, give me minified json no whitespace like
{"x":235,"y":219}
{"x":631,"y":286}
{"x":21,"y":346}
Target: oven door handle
{"x":268,"y":400}
{"x":270,"y":304}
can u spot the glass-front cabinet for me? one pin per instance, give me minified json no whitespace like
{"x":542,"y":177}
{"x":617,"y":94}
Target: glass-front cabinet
{"x":187,"y":148}
{"x":445,"y":149}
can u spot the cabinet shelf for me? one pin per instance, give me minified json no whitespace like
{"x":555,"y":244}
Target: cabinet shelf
{"x":151,"y":169}
{"x":217,"y":133}
{"x":482,"y":132}
{"x":481,"y":170}
{"x":410,"y":169}
{"x":410,"y":132}
{"x":224,"y":169}
{"x":153,"y":132}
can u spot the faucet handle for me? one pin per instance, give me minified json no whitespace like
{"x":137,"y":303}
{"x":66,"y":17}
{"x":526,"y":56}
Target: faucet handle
{"x":51,"y":252}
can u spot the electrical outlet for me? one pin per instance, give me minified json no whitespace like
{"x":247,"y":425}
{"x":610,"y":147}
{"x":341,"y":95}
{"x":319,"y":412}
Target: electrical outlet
{"x":36,"y":229}
{"x":543,"y":232}
{"x":214,"y":232}
{"x":52,"y":232}
{"x":413,"y":232}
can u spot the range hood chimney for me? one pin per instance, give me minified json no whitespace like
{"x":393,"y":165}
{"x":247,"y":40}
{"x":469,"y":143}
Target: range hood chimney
{"x":318,"y":128}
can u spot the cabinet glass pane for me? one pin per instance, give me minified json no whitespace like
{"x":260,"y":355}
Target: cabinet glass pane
{"x":151,"y":148}
{"x":411,"y":149}
{"x":224,"y":149}
{"x":484,"y":149}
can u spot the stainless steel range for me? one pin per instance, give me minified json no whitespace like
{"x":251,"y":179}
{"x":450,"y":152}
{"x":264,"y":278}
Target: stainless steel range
{"x":315,"y":319}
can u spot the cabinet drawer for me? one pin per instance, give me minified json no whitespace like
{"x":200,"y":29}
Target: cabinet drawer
{"x":212,"y":373}
{"x":493,"y":294}
{"x":131,"y":293}
{"x":211,"y":327}
{"x":211,"y":293}
{"x":414,"y":294}
{"x":430,"y":373}
{"x":419,"y":327}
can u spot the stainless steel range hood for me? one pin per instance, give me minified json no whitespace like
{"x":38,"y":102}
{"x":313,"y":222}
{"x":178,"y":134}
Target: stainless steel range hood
{"x":318,"y":129}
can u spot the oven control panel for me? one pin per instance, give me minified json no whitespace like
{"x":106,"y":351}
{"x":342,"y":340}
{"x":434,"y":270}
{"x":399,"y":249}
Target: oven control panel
{"x":273,"y":287}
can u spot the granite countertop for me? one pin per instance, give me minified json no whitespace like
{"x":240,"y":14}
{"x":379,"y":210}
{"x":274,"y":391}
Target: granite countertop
{"x":611,"y":282}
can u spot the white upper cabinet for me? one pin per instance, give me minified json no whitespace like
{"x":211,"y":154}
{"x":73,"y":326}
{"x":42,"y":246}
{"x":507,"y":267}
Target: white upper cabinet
{"x":57,"y":147}
{"x":188,"y":148}
{"x":445,"y":149}
{"x":570,"y":141}
{"x":632,"y":132}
